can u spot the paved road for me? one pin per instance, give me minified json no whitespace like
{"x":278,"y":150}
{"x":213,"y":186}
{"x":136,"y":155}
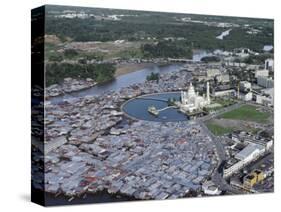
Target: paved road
{"x":216,"y":176}
{"x":217,"y":142}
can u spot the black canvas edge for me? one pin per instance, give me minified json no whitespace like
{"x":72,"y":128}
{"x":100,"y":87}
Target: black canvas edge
{"x":37,"y":104}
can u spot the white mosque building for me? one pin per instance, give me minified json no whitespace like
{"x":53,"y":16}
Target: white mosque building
{"x":191,"y":101}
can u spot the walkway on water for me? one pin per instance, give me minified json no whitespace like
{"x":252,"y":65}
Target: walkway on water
{"x":157,"y":99}
{"x":165,"y":108}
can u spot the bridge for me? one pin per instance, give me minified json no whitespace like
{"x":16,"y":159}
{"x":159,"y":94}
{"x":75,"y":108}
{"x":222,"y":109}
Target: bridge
{"x":183,"y":60}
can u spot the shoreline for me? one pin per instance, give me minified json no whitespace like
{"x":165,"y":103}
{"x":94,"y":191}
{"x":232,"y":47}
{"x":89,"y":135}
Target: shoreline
{"x":122,"y":69}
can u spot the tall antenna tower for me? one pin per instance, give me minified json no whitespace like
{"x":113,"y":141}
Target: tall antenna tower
{"x":208,"y":93}
{"x":238,"y":91}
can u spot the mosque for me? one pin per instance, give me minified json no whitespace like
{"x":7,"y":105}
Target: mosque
{"x":191,"y":101}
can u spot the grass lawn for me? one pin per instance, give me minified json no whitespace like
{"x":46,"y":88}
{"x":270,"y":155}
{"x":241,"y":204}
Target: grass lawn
{"x":217,"y":129}
{"x":221,"y":103}
{"x":224,"y":102}
{"x":247,"y":113}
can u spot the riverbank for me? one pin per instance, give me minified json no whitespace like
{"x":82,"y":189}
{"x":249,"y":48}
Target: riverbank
{"x":70,"y":85}
{"x":122,"y":81}
{"x":126,"y":68}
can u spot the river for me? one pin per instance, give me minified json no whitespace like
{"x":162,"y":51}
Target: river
{"x":128,"y":79}
{"x":119,"y":82}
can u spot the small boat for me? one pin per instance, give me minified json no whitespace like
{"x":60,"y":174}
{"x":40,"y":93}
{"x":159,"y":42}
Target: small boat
{"x":153,"y":110}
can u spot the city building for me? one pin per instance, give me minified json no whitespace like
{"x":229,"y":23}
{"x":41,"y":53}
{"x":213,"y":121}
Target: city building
{"x":252,"y":67}
{"x":191,"y":101}
{"x":265,"y":82}
{"x":250,"y":153}
{"x":213,"y":72}
{"x":251,"y":179}
{"x":243,"y":52}
{"x":232,"y":167}
{"x":269,"y":64}
{"x":268,"y":48}
{"x":246,"y":96}
{"x":264,"y":100}
{"x":235,"y":64}
{"x":261,"y":73}
{"x":210,"y":188}
{"x":266,"y":143}
{"x":269,"y":94}
{"x":245,"y":86}
{"x":229,"y":92}
{"x":224,"y":78}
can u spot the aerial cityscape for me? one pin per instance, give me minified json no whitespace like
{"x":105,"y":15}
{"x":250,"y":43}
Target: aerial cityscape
{"x":151,"y":106}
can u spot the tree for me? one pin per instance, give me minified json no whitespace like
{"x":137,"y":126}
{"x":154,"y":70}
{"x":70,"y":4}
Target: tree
{"x":153,"y":76}
{"x":56,"y":58}
{"x":209,"y":59}
{"x":56,"y":72}
{"x":70,"y":53}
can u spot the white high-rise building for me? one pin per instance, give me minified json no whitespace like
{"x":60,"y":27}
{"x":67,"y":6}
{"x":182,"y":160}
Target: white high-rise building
{"x":269,"y":64}
{"x":265,"y":82}
{"x":208,"y":93}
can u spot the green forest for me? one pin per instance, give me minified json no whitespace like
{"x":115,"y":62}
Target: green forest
{"x":166,"y":49}
{"x":195,"y":35}
{"x":159,"y":35}
{"x":56,"y":72}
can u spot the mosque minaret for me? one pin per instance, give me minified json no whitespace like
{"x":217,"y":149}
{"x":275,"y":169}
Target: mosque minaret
{"x":191,"y":101}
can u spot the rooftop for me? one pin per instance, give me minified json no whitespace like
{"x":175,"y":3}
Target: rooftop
{"x":248,"y":150}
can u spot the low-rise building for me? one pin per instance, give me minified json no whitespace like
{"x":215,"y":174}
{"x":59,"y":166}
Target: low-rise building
{"x":235,"y":64}
{"x":224,"y":78}
{"x":269,"y":92}
{"x":210,"y":188}
{"x":267,"y":143}
{"x":245,"y":156}
{"x":251,"y":179}
{"x":248,"y":96}
{"x":261,"y":73}
{"x":265,"y":82}
{"x":264,"y":100}
{"x":250,"y":152}
{"x":232,"y":168}
{"x":213,"y":72}
{"x":245,"y":86}
{"x":228,"y":92}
